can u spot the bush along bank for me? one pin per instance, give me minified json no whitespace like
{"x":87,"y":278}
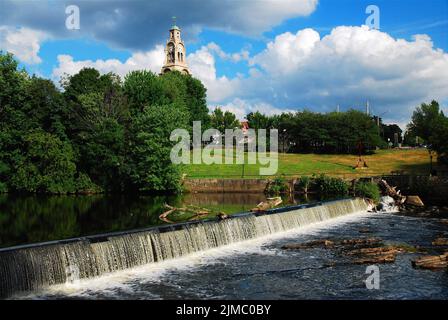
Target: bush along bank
{"x":324,"y":186}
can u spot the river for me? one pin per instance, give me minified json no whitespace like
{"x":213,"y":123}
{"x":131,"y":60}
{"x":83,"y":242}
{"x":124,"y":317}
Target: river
{"x":260,"y":269}
{"x":31,"y":219}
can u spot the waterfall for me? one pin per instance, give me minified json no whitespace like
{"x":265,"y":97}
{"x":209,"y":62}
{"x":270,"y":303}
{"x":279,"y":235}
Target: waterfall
{"x":33,"y":267}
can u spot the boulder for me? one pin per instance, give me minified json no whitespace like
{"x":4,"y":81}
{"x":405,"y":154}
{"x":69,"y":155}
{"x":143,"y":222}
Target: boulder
{"x":222,"y":216}
{"x":364,"y":230}
{"x":375,"y":251}
{"x":346,"y":244}
{"x":383,"y":258}
{"x":374,"y":255}
{"x":414,"y":201}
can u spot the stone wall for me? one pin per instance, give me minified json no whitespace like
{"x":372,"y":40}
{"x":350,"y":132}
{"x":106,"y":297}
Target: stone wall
{"x":225,"y":185}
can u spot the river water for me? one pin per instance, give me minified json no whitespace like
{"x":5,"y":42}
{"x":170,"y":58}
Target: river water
{"x":260,"y":269}
{"x":32,"y":219}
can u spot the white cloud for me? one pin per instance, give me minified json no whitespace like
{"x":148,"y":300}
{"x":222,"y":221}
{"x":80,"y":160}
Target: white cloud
{"x":287,"y":52}
{"x":24,"y":43}
{"x":349,"y":66}
{"x":234,"y":57}
{"x":119,"y":22}
{"x":346,"y":67}
{"x":151,"y":60}
{"x":202,"y":65}
{"x":243,"y":107}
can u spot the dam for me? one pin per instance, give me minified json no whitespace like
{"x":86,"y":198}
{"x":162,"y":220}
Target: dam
{"x":37,"y":266}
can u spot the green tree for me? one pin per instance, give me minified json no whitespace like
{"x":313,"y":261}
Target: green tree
{"x":149,"y":164}
{"x":143,"y":88}
{"x":46,"y":166}
{"x":429,"y":123}
{"x":13,"y":121}
{"x":196,"y":101}
{"x":223,"y":120}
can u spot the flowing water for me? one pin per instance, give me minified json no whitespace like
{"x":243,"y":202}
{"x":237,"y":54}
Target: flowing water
{"x":218,"y":265}
{"x":260,"y":269}
{"x":37,"y":267}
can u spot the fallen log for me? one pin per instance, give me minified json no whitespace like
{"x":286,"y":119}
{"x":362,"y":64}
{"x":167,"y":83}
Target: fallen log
{"x":197,"y":212}
{"x":164,"y":215}
{"x":266,"y":205}
{"x":392,"y":192}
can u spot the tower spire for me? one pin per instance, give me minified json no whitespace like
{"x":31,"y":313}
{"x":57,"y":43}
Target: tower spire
{"x":175,"y":52}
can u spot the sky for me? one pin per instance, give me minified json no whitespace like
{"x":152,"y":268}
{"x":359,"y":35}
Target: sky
{"x":267,"y":55}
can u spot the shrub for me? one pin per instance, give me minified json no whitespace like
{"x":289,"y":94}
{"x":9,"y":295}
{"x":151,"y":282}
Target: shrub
{"x":304,"y":183}
{"x":368,"y":190}
{"x":84,"y":185}
{"x":3,"y":187}
{"x":330,"y":186}
{"x":277,"y":186}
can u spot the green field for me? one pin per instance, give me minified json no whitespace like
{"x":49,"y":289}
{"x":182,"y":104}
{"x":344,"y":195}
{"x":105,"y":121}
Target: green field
{"x":295,"y":165}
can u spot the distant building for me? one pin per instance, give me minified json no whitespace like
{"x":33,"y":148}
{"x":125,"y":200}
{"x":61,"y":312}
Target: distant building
{"x":175,"y":52}
{"x":244,"y":125}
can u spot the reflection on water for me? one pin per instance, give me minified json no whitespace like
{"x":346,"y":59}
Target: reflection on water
{"x":30,"y":219}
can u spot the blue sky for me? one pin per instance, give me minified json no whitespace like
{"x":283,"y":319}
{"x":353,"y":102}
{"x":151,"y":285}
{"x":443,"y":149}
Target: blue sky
{"x":330,"y":64}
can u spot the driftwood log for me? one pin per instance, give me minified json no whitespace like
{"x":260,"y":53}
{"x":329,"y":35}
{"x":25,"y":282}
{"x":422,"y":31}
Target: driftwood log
{"x":269,"y":204}
{"x":197,"y":212}
{"x":392,"y":192}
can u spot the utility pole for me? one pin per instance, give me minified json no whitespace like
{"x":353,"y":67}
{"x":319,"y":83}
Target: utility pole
{"x":367,"y":108}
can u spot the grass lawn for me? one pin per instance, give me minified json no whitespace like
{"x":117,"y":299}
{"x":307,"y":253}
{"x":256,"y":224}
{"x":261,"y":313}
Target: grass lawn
{"x":295,"y":165}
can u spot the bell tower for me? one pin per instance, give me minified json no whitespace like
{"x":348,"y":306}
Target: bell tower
{"x":175,"y":52}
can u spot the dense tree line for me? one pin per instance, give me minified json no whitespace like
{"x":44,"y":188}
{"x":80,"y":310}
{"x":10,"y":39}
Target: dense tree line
{"x":336,"y":132}
{"x":103,"y":133}
{"x":97,"y":134}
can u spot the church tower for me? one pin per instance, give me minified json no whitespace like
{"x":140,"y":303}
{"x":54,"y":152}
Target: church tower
{"x":175,"y":52}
